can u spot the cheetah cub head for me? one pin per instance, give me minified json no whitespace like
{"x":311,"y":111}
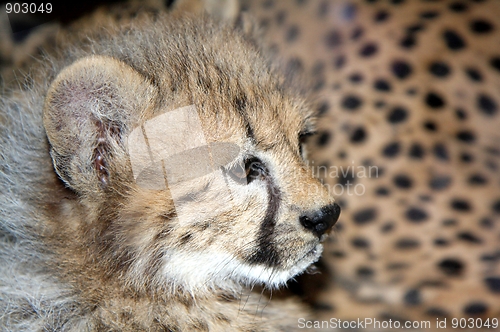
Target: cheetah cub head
{"x":186,"y":162}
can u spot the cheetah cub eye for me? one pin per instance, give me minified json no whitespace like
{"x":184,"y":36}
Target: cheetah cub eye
{"x":251,"y":169}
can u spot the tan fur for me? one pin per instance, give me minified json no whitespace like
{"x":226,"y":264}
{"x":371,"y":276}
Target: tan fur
{"x":109,"y":255}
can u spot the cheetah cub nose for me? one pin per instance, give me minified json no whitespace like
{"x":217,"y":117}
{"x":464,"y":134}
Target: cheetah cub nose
{"x":319,"y":222}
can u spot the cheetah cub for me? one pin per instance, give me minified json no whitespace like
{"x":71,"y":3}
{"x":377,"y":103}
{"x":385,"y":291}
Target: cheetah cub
{"x":151,"y":175}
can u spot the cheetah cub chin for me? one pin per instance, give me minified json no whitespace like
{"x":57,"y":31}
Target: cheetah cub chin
{"x":152,"y":175}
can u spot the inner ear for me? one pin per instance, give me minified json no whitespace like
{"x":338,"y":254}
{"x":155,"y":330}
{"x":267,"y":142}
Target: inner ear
{"x":89,"y":108}
{"x":105,"y":131}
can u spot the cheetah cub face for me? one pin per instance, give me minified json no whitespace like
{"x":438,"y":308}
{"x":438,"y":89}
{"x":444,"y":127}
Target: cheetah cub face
{"x":186,"y":159}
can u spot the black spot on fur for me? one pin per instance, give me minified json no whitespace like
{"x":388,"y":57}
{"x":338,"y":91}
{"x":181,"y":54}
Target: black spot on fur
{"x":391,"y":150}
{"x":486,"y":104}
{"x":460,"y":205}
{"x":451,"y":266}
{"x":168,"y":3}
{"x":439,"y":182}
{"x":292,"y":33}
{"x":430,"y":126}
{"x":475,"y":308}
{"x":397,"y":266}
{"x":416,"y":151}
{"x":434,"y":100}
{"x":381,"y":16}
{"x":379,"y":104}
{"x":428,"y":15}
{"x":338,"y":254}
{"x":358,"y":135}
{"x":397,"y":115}
{"x":416,"y":215}
{"x":461,"y":114}
{"x":493,"y":284}
{"x":368,"y":50}
{"x":469,"y":237}
{"x":474,"y":74}
{"x":487,"y":223}
{"x":281,"y":17}
{"x":449,"y":222}
{"x":440,"y":242}
{"x":401,"y":69}
{"x":333,"y":39}
{"x":403,"y":181}
{"x":318,"y":68}
{"x":339,"y":62}
{"x":323,"y":107}
{"x":481,"y":26}
{"x":439,"y":69}
{"x":496,"y":207}
{"x":323,"y":138}
{"x":495,"y":63}
{"x":494,"y":151}
{"x":349,"y":12}
{"x":489,"y":257}
{"x":387,"y":227}
{"x":351,"y":102}
{"x":382,"y":191}
{"x":319,"y":84}
{"x":441,"y":152}
{"x":411,"y":91}
{"x":323,"y":9}
{"x":413,"y":297}
{"x":346,"y":178}
{"x":357,"y":33}
{"x":407,"y":244}
{"x":437,"y":312}
{"x":268,"y":4}
{"x":458,"y":7}
{"x":408,"y":41}
{"x":466,"y":136}
{"x":294,"y":65}
{"x":365,"y":272}
{"x":477,"y":179}
{"x":356,"y":78}
{"x":414,"y":28}
{"x":382,"y":85}
{"x":365,"y":216}
{"x":466,"y":157}
{"x":360,"y":243}
{"x":453,"y":40}
{"x":425,"y":197}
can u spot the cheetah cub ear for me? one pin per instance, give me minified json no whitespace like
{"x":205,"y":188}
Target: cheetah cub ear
{"x":90,"y":108}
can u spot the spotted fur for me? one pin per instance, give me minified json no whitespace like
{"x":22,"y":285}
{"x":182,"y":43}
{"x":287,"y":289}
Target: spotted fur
{"x":409,"y":87}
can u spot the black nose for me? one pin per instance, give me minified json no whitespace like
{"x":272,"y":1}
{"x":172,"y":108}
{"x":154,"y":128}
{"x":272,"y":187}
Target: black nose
{"x":319,"y":222}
